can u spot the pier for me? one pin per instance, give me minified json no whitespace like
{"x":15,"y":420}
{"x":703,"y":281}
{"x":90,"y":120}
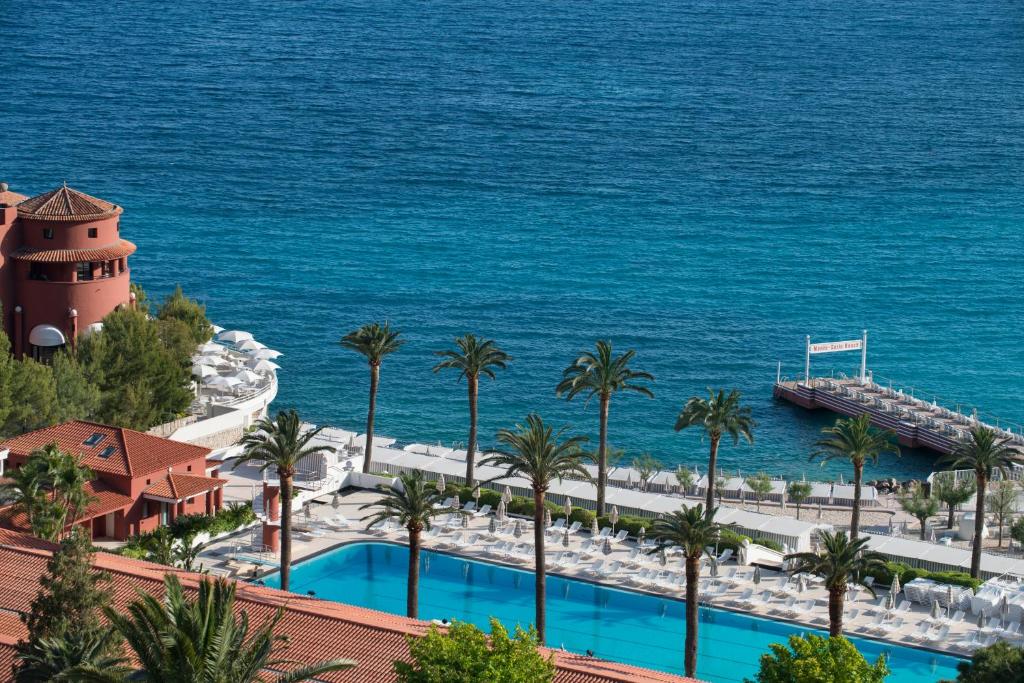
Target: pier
{"x":917,"y":423}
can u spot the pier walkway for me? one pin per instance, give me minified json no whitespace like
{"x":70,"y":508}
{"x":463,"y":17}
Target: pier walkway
{"x":917,"y":423}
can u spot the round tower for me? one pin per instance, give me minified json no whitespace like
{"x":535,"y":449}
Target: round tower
{"x":71,"y":269}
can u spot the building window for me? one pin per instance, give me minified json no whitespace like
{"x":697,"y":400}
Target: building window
{"x":190,"y":468}
{"x":36,"y":271}
{"x":107,"y":452}
{"x":108,"y":269}
{"x":93,"y":232}
{"x":84,"y":271}
{"x":47,"y":233}
{"x":94,"y":439}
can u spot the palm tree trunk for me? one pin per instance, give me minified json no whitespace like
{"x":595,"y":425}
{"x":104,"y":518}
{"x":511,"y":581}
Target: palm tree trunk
{"x":858,"y":473}
{"x":798,"y":511}
{"x":835,"y":610}
{"x":602,"y":454}
{"x":712,"y":468}
{"x":412,"y":596}
{"x":692,"y":607}
{"x":474,"y":383}
{"x":949,"y":524}
{"x":923,"y":525}
{"x":368,"y":449}
{"x":540,"y":570}
{"x":286,"y":528}
{"x":979,"y":525}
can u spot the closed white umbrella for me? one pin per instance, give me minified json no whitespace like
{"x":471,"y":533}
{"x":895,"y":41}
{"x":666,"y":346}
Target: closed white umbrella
{"x":247,"y":377}
{"x":234,"y":336}
{"x":250,"y":345}
{"x":265,"y":354}
{"x":607,"y":547}
{"x":440,"y":484}
{"x":614,"y":517}
{"x":641,"y":536}
{"x":547,"y":518}
{"x":757,"y":575}
{"x":506,"y":495}
{"x":594,"y":531}
{"x":895,"y":588}
{"x":518,"y":530}
{"x":500,"y":513}
{"x":261,"y":365}
{"x":476,"y":494}
{"x":568,"y":509}
{"x":935,"y":609}
{"x":203,"y":371}
{"x":565,"y":538}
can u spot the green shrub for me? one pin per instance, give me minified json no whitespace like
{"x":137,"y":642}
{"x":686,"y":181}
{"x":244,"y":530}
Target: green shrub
{"x":731,"y":539}
{"x":884,"y":576}
{"x":769,"y":543}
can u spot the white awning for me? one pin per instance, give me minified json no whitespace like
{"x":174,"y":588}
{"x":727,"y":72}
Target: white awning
{"x":46,"y":335}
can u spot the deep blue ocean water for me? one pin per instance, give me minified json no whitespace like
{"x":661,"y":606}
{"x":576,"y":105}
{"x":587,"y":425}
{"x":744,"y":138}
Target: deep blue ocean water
{"x":705,"y":182}
{"x":622,"y":626}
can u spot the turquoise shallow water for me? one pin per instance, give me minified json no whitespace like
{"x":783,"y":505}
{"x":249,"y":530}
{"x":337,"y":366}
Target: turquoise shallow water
{"x":619,"y":625}
{"x":706,"y":182}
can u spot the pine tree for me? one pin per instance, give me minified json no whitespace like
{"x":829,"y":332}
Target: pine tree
{"x":77,"y":397}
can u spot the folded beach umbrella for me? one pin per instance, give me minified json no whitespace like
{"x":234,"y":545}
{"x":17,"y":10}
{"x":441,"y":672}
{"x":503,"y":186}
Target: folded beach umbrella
{"x":935,"y":609}
{"x":641,"y":536}
{"x":614,"y":516}
{"x":565,"y":538}
{"x":492,"y":525}
{"x":465,"y":521}
{"x":500,"y":512}
{"x":517,"y":531}
{"x":594,"y":531}
{"x":547,"y":518}
{"x":895,"y":588}
{"x":981,"y":620}
{"x":476,"y":494}
{"x":1004,"y":608}
{"x":607,"y":547}
{"x":757,"y":575}
{"x":568,"y":508}
{"x":440,"y":483}
{"x":234,"y":336}
{"x":506,"y":495}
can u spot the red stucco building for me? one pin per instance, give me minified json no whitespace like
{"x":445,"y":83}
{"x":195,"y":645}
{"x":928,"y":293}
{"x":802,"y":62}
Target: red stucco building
{"x":141,"y":481}
{"x":63,"y":267}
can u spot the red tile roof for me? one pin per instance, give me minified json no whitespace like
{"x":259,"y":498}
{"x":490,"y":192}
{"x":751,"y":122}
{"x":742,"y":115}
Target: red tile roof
{"x":178,"y":486}
{"x":108,"y":253}
{"x":318,"y":629}
{"x":105,"y":500}
{"x":66,"y":204}
{"x":135,"y":454}
{"x":8,"y":198}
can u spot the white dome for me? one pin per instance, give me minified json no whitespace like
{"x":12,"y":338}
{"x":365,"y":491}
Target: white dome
{"x":46,"y":335}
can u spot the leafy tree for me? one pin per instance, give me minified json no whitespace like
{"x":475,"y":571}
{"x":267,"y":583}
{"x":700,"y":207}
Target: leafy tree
{"x":998,"y":663}
{"x":920,"y":507}
{"x":6,"y":375}
{"x":466,"y":655}
{"x":693,"y":530}
{"x":1002,"y":502}
{"x":648,"y":467}
{"x":798,"y":492}
{"x":143,"y":381}
{"x":374,"y":342}
{"x":816,"y":659}
{"x":49,"y":489}
{"x":601,"y":373}
{"x":985,"y":453}
{"x":78,"y":398}
{"x":841,"y":562}
{"x":65,"y":611}
{"x":760,"y":485}
{"x":685,"y":478}
{"x":473,"y":358}
{"x":413,"y":503}
{"x":177,"y":338}
{"x":202,"y":640}
{"x":34,"y":394}
{"x":159,"y":546}
{"x":282,"y":444}
{"x":855,"y":440}
{"x":1017,"y":530}
{"x":718,"y":415}
{"x":539,"y":454}
{"x":952,"y":492}
{"x":190,"y":312}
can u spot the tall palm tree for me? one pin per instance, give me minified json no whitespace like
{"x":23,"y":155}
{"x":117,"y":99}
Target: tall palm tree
{"x":719,"y":414}
{"x":68,"y":478}
{"x":25,"y":487}
{"x":473,"y":357}
{"x":412,"y":502}
{"x":282,"y":444}
{"x":841,"y":562}
{"x":202,"y":640}
{"x":692,"y":529}
{"x":985,"y":453}
{"x":541,"y":455}
{"x":855,"y":440}
{"x":374,"y":341}
{"x":601,"y":373}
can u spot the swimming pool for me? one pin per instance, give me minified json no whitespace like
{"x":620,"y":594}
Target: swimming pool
{"x":619,"y":625}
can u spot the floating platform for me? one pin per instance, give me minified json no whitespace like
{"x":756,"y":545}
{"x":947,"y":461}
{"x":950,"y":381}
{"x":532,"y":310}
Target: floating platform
{"x":917,"y":423}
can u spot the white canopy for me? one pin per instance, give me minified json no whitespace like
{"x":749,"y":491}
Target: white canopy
{"x":203,"y":371}
{"x":265,"y":354}
{"x":234,"y":336}
{"x":221,"y":382}
{"x":260,"y":365}
{"x":247,"y":377}
{"x":217,"y":329}
{"x":46,"y":335}
{"x":215,"y":361}
{"x":210,"y":349}
{"x":250,"y":345}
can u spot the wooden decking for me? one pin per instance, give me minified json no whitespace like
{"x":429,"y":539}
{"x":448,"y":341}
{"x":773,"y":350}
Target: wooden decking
{"x":917,"y":423}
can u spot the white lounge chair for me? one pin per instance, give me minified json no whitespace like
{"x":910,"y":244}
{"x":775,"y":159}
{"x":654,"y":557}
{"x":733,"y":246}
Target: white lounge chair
{"x":743,"y":597}
{"x":786,"y":607}
{"x":621,"y":536}
{"x":448,"y":502}
{"x":574,"y":527}
{"x":557,"y":526}
{"x":596,"y":567}
{"x":611,"y":568}
{"x":469,"y":506}
{"x":938,"y":635}
{"x":605,"y":532}
{"x":338,"y":521}
{"x":922,"y":631}
{"x":483,"y":511}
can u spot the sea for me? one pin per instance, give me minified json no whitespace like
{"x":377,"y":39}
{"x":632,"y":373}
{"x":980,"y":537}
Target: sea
{"x":704,"y":182}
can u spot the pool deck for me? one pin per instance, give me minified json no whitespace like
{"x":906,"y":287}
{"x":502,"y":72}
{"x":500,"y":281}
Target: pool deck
{"x":313,"y":537}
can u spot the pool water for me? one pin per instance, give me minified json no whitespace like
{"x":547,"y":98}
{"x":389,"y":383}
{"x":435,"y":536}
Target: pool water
{"x":618,"y":625}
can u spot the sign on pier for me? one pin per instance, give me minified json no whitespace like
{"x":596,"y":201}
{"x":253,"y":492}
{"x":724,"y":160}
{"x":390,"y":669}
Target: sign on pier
{"x":835,"y":347}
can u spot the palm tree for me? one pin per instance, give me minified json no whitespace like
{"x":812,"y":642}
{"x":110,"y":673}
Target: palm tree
{"x":692,"y":529}
{"x":601,"y":373}
{"x":202,"y":641}
{"x":68,"y":479}
{"x":473,"y":357}
{"x":854,"y":439}
{"x":57,"y":659}
{"x":719,"y":414}
{"x":374,"y":341}
{"x":539,"y":454}
{"x":281,"y":444}
{"x":413,"y":503}
{"x":841,"y":562}
{"x":985,"y":453}
{"x":25,"y":487}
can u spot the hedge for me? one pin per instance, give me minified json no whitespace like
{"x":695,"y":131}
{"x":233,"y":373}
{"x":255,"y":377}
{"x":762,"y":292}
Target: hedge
{"x":227,"y":519}
{"x":884,"y":576}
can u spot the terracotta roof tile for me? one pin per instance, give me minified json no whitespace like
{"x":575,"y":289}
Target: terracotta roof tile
{"x":34,"y":254}
{"x":178,"y":486}
{"x":134,"y":453}
{"x":8,"y":198}
{"x":317,"y":629}
{"x":105,"y":500}
{"x":66,"y":204}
